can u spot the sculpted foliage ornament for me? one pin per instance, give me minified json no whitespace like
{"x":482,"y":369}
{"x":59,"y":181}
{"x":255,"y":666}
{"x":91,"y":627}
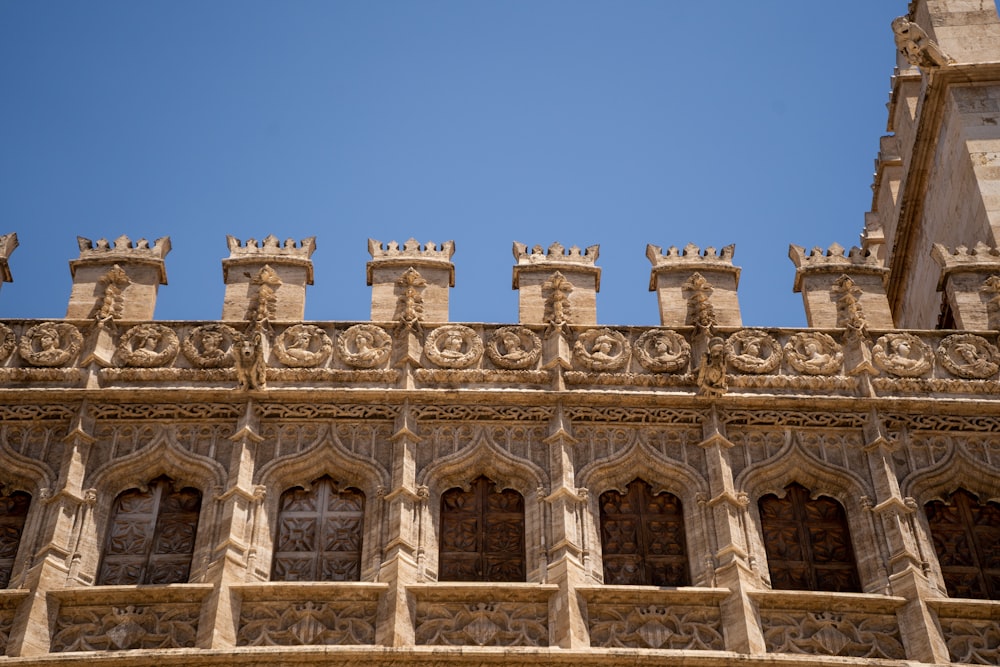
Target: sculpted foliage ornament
{"x":753,"y":351}
{"x":7,"y":342}
{"x":514,"y":348}
{"x":968,"y":356}
{"x":662,"y":351}
{"x":814,"y":353}
{"x":148,"y":346}
{"x":211,"y":346}
{"x":453,"y":346}
{"x":364,"y":346}
{"x":903,"y":355}
{"x":50,"y":344}
{"x":601,"y":350}
{"x":303,"y":346}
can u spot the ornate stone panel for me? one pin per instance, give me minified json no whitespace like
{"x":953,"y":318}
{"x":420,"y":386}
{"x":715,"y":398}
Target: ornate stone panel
{"x":830,"y":633}
{"x":523,"y":441}
{"x":971,"y":630}
{"x":307,"y":623}
{"x":482,"y":623}
{"x":653,"y":626}
{"x":42,"y":442}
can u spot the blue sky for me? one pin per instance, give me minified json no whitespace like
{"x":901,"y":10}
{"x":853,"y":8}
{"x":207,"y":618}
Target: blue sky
{"x":618,"y":123}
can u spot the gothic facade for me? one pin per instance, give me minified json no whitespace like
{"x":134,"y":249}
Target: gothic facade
{"x":409,"y":490}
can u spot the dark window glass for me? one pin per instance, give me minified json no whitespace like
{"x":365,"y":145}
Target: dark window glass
{"x":482,"y":534}
{"x":966,"y":536}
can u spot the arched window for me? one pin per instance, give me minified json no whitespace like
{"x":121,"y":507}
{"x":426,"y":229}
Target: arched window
{"x":482,"y":534}
{"x":319,"y":533}
{"x":966,"y":536}
{"x":151,"y":536}
{"x":807,"y":542}
{"x":642,"y":537}
{"x":13,"y":512}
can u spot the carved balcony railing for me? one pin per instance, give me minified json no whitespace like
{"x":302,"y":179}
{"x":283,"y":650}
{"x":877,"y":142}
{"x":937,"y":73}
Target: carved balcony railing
{"x":112,"y":618}
{"x":9,"y":601}
{"x":647,"y":617}
{"x":307,"y":613}
{"x":487,"y":614}
{"x":971,"y":629}
{"x":831,"y":624}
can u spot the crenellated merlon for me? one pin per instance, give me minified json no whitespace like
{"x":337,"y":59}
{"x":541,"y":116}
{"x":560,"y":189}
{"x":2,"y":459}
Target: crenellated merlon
{"x":556,"y":254}
{"x":835,"y":259}
{"x":122,"y":247}
{"x":412,"y":248}
{"x":672,"y":271}
{"x":690,"y":253}
{"x":967,"y":279}
{"x":267,"y":279}
{"x":431,"y":262}
{"x":270,"y":245}
{"x":817,"y":271}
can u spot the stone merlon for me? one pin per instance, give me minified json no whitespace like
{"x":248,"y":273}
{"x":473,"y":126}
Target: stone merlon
{"x":123,"y":251}
{"x":980,"y":259}
{"x":834,"y":260}
{"x":412,"y":254}
{"x":272,"y":251}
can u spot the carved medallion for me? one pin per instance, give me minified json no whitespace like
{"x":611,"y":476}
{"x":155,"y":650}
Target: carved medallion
{"x":211,"y":346}
{"x":364,"y":346}
{"x":453,"y":346}
{"x":903,"y":354}
{"x":514,"y":348}
{"x":814,"y":353}
{"x":7,"y":342}
{"x":753,"y":351}
{"x":303,"y":346}
{"x":968,"y":356}
{"x":662,"y":351}
{"x":148,"y":346}
{"x":601,"y":350}
{"x":50,"y":344}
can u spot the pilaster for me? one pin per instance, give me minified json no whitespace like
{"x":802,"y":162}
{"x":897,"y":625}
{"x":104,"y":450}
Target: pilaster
{"x":693,"y":286}
{"x":556,"y":285}
{"x":267,"y":280}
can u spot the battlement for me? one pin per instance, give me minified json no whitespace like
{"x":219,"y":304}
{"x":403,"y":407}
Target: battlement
{"x":122,"y":248}
{"x":835,"y":259}
{"x":980,"y":256}
{"x":556,"y":254}
{"x":690,"y":253}
{"x":271,"y":247}
{"x":411,"y":249}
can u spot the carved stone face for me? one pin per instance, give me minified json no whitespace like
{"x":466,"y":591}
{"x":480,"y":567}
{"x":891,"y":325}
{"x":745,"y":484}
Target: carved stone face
{"x":47,"y":340}
{"x":453,"y":343}
{"x":211,"y":342}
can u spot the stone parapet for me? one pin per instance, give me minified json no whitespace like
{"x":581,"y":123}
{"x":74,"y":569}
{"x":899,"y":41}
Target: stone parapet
{"x":689,"y":283}
{"x":267,"y":280}
{"x":970,"y":280}
{"x":555,"y":285}
{"x":117,"y":279}
{"x":817,"y":274}
{"x":8,"y":242}
{"x":410,"y":283}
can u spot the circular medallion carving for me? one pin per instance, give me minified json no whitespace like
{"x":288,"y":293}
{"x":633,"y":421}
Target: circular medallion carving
{"x":50,"y":344}
{"x":453,"y":346}
{"x":662,"y":351}
{"x":211,"y":346}
{"x":514,"y":348}
{"x":303,"y":346}
{"x":7,"y":342}
{"x":903,"y":354}
{"x":364,"y":346}
{"x":753,"y":351}
{"x":148,"y":346}
{"x":601,"y":350}
{"x":814,"y":353}
{"x":968,"y":356}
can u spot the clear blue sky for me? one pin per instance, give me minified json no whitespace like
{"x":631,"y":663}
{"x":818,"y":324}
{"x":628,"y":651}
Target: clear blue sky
{"x":619,"y":123}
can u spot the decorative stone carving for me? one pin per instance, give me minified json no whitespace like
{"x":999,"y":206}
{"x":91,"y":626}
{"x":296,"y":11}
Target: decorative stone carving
{"x":972,"y":641}
{"x":364,"y":346}
{"x":410,"y":303}
{"x":701,"y":313}
{"x":453,"y":346}
{"x":248,"y":356}
{"x":483,"y":624}
{"x":847,"y":294}
{"x":148,"y":346}
{"x":662,"y":351}
{"x":656,"y":627}
{"x":556,"y":291}
{"x":111,"y":304}
{"x":968,"y":356}
{"x":103,"y":628}
{"x":7,"y":342}
{"x":903,"y":355}
{"x":303,"y":346}
{"x":753,"y":351}
{"x":601,"y":350}
{"x":307,"y":623}
{"x":915,"y":46}
{"x":211,"y":346}
{"x":514,"y":348}
{"x":263,"y":300}
{"x":712,"y":370}
{"x":827,"y":633}
{"x":50,"y":344}
{"x":814,"y":353}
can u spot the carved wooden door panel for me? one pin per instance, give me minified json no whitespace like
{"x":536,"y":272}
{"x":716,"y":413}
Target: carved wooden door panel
{"x":13,"y":512}
{"x":319,"y":534}
{"x":482,"y":534}
{"x":642,"y":537}
{"x":966,"y":536}
{"x":151,"y":537}
{"x":808,"y":543}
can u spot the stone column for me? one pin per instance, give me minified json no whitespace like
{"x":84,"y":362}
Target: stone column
{"x":816,"y":275}
{"x":555,"y":285}
{"x":267,"y":280}
{"x":410,"y":284}
{"x":694,"y":287}
{"x":8,"y":242}
{"x":970,"y":280}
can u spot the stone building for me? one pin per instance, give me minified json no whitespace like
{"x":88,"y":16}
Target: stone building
{"x":408,"y":490}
